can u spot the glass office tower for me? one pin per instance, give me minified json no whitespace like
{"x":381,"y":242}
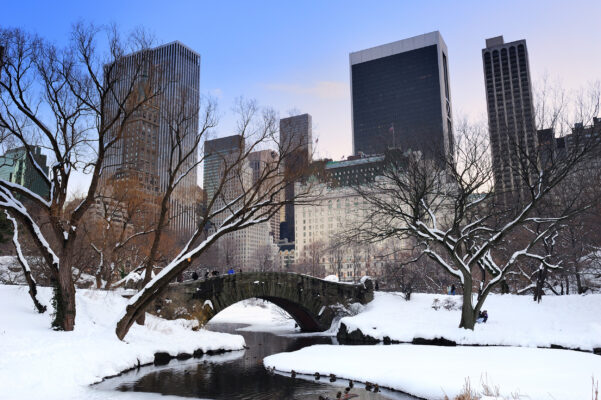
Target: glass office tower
{"x":401,"y":97}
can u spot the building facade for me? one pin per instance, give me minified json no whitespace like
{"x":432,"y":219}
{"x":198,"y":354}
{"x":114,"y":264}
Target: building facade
{"x":239,"y":249}
{"x":144,"y":151}
{"x":259,"y":161}
{"x":400,"y":97}
{"x":512,"y":130}
{"x":318,"y":229}
{"x":583,"y":138}
{"x":296,"y":141}
{"x":16,"y":167}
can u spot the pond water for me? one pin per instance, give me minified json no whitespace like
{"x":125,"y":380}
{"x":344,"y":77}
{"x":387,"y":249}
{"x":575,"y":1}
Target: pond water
{"x":240,"y":374}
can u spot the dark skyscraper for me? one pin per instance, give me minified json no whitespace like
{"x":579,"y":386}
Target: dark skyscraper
{"x":401,"y":97}
{"x":510,"y":113}
{"x":295,"y":136}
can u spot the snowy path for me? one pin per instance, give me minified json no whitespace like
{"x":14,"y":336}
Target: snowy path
{"x":433,"y":371}
{"x":36,"y":362}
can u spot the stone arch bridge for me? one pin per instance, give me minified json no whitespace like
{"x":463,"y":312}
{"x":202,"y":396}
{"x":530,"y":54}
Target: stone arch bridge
{"x":312,"y":302}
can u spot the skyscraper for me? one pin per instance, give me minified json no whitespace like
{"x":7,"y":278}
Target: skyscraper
{"x":239,"y":247}
{"x":510,"y":114}
{"x":217,"y":153}
{"x":261,"y":161}
{"x":143,"y":153}
{"x":401,"y":97}
{"x":296,"y":140}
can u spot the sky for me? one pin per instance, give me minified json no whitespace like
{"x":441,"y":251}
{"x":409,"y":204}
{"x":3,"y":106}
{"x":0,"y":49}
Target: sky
{"x":293,"y":55}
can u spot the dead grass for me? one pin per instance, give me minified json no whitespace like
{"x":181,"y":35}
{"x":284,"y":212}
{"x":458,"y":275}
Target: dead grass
{"x":489,"y":390}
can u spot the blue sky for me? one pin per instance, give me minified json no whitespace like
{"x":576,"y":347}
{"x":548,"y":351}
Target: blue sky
{"x":294,"y":55}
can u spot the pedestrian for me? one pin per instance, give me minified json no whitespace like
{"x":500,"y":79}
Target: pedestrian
{"x":453,"y":290}
{"x":482,"y":317}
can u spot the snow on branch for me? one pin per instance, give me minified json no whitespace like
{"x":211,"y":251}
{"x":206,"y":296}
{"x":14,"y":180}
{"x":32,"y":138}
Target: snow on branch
{"x":23,"y":190}
{"x":8,"y":201}
{"x":20,"y":255}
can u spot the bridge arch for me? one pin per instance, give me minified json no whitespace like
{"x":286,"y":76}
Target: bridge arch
{"x":312,"y":302}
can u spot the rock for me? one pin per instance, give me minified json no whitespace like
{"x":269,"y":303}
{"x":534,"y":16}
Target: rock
{"x":162,"y":358}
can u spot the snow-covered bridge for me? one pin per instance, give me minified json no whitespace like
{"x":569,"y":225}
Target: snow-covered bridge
{"x":312,"y":302}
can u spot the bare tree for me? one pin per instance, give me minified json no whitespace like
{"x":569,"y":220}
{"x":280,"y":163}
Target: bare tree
{"x":67,"y":101}
{"x":448,"y":208}
{"x":235,"y":201}
{"x":310,"y":261}
{"x":265,"y":259}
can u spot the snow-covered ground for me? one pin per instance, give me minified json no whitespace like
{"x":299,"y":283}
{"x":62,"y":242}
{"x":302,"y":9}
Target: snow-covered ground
{"x":569,"y":321}
{"x":432,"y":371}
{"x":258,"y":314}
{"x":36,"y":362}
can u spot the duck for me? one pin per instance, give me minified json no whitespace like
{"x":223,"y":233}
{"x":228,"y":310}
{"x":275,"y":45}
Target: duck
{"x":332,"y":378}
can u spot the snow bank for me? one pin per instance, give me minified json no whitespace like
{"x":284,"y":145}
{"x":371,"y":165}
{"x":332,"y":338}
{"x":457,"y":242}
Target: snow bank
{"x":36,"y":362}
{"x":433,"y":371}
{"x":568,"y":321}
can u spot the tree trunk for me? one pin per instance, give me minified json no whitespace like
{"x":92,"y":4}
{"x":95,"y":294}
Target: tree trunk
{"x":541,"y":276}
{"x":64,"y":300}
{"x":468,"y":318}
{"x":141,"y":320}
{"x":579,"y":286}
{"x":145,"y":299}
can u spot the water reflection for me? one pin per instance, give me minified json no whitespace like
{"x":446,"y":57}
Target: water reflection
{"x":240,"y":374}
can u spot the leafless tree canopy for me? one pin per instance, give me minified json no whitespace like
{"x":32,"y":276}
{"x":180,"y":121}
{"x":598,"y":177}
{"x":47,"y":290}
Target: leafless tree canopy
{"x":450,"y":213}
{"x":76,"y":103}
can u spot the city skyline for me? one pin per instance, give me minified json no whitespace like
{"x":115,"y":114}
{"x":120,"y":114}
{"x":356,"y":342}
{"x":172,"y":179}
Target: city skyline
{"x":309,"y":71}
